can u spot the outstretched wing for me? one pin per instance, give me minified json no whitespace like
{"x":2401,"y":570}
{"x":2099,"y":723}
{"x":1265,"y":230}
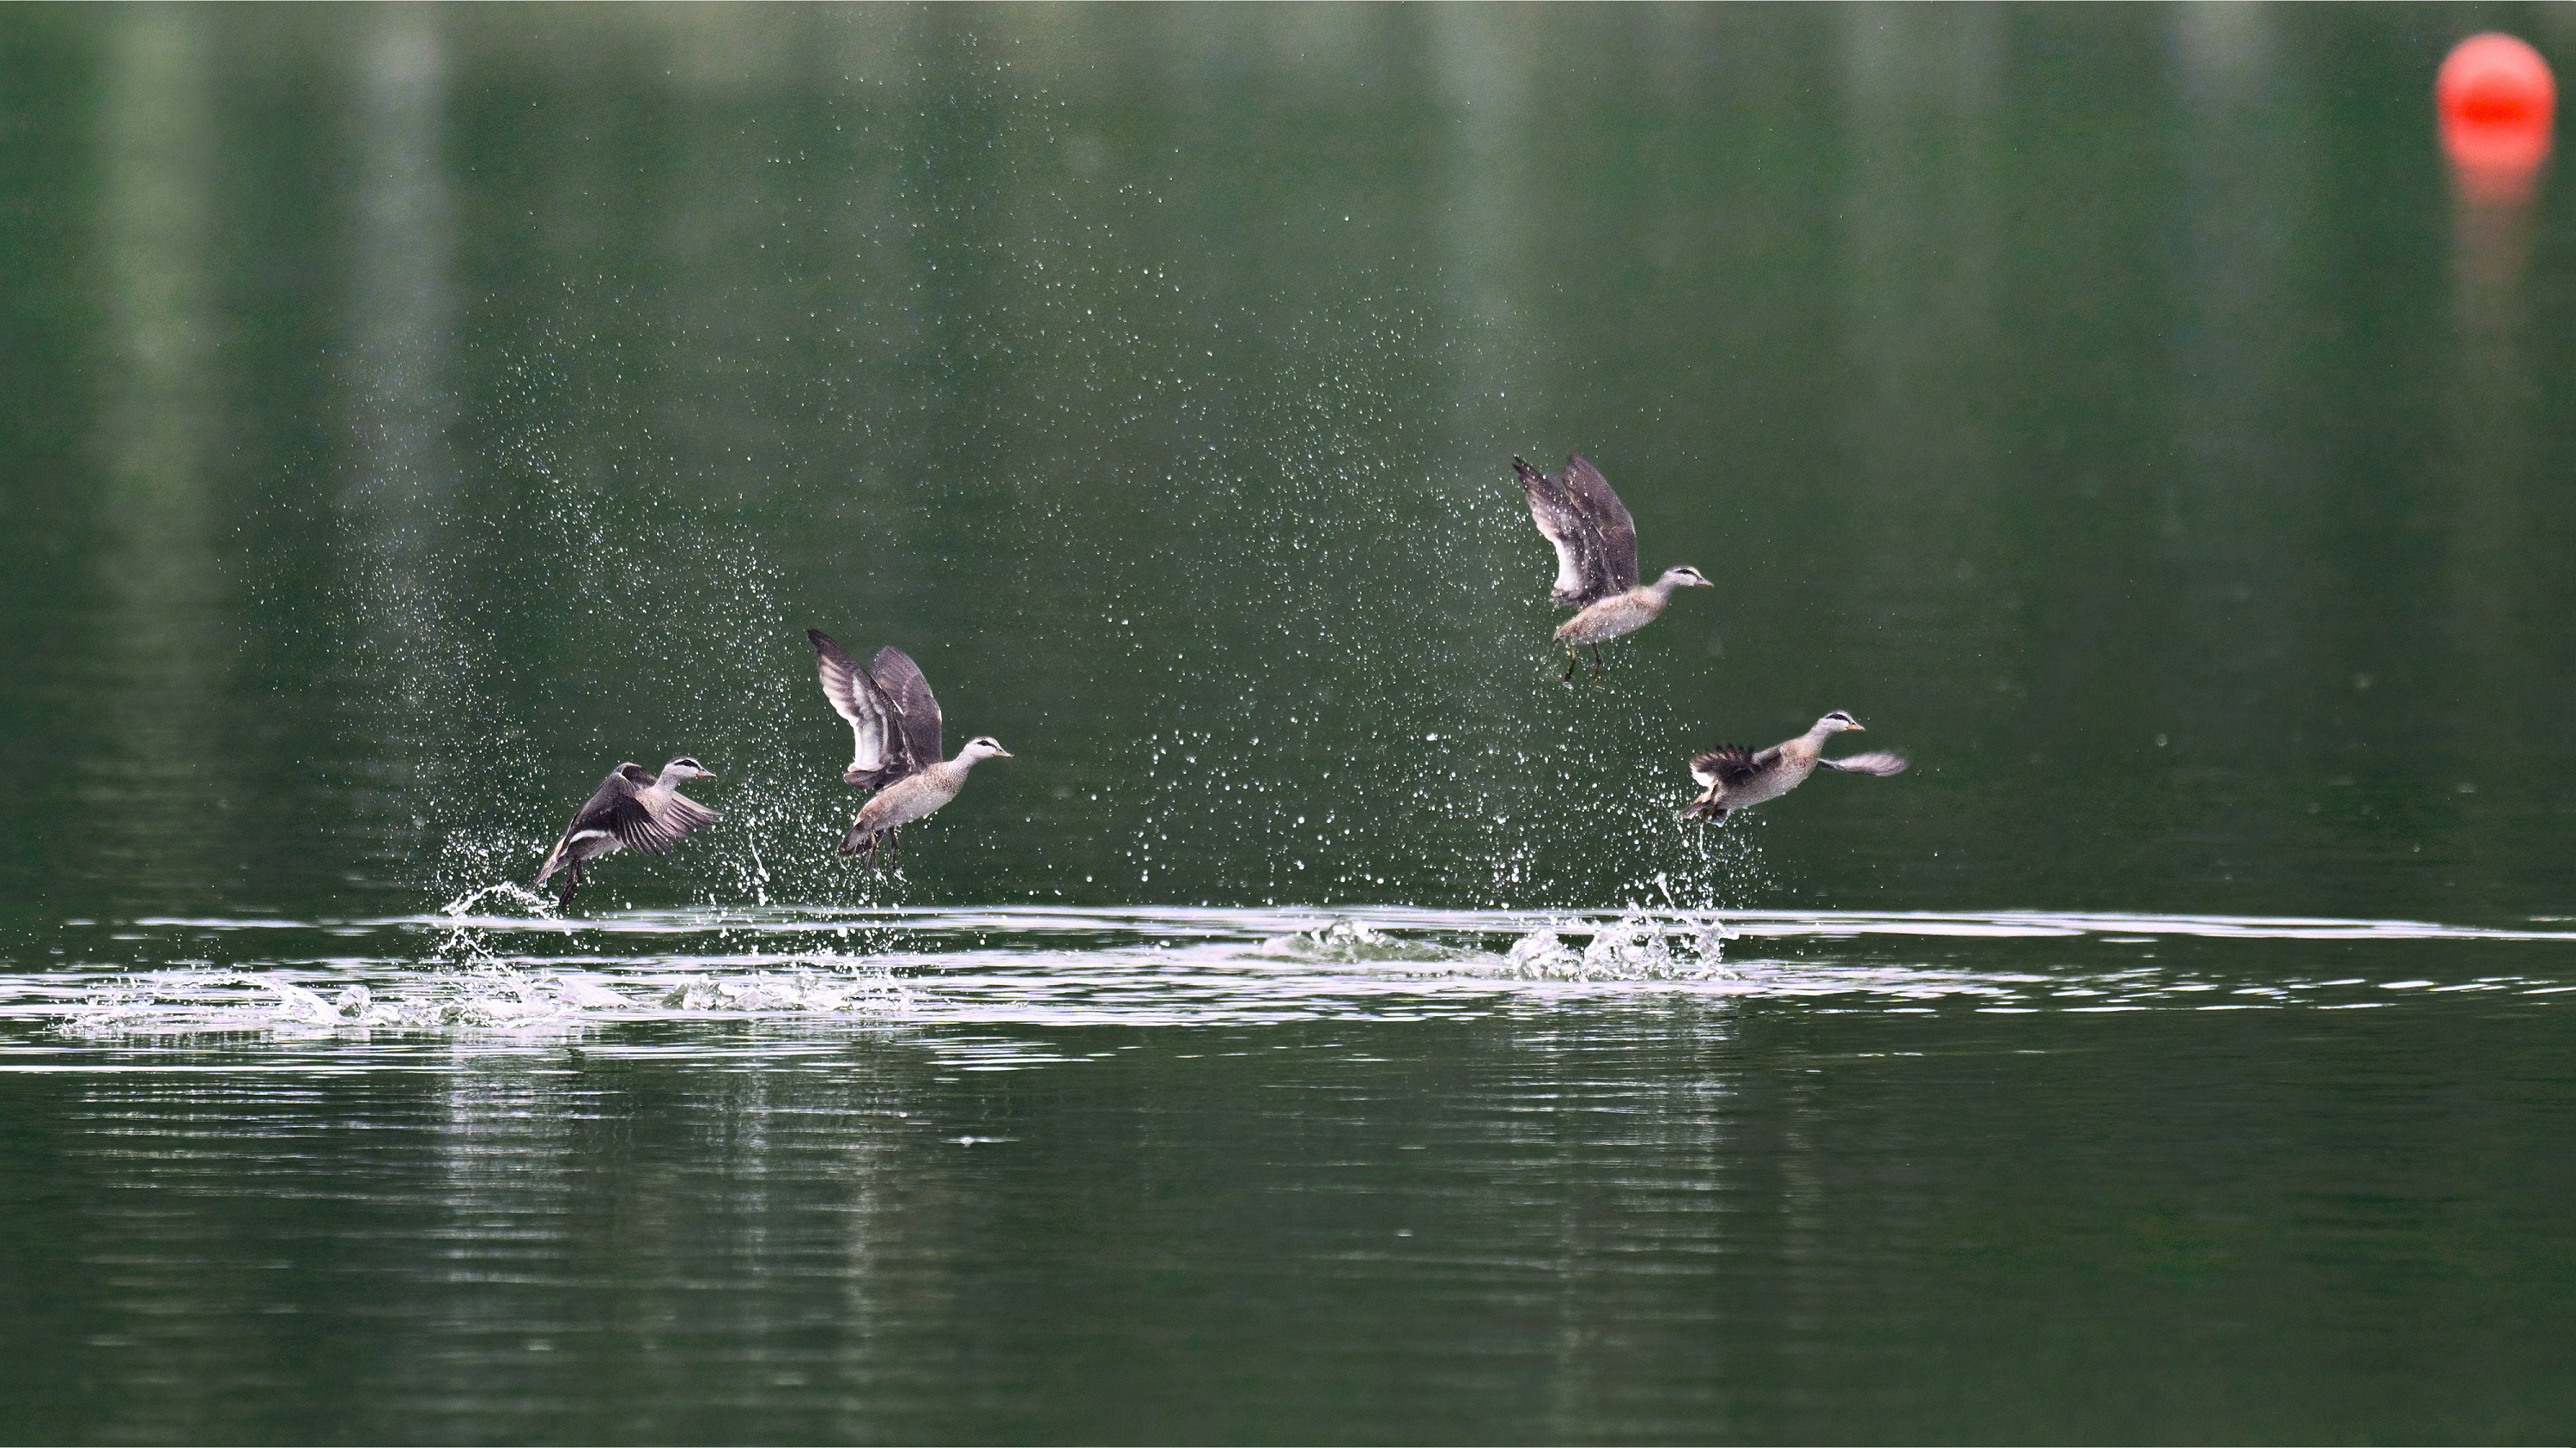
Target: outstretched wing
{"x":1878,"y":763}
{"x":882,"y":753}
{"x":637,"y":827}
{"x":1610,"y":522}
{"x":1582,"y":563}
{"x":623,"y":806}
{"x":901,"y":679}
{"x":1728,"y":764}
{"x":667,"y":820}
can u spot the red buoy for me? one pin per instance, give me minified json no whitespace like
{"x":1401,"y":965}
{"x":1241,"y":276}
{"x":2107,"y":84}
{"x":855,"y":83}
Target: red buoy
{"x":2497,"y":99}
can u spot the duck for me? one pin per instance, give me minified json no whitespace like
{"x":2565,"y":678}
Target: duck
{"x":895,"y":724}
{"x":1735,"y":778}
{"x":631,"y":810}
{"x":1596,"y":559}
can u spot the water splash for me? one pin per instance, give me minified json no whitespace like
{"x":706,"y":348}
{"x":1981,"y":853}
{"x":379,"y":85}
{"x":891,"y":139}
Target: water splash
{"x":1633,"y":947}
{"x":469,"y":973}
{"x":1354,"y":942}
{"x":503,"y":1001}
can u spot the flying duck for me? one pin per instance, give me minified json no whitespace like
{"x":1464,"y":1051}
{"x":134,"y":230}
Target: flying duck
{"x":896,"y":724}
{"x":1596,"y":558}
{"x":1736,"y":778}
{"x":631,"y":810}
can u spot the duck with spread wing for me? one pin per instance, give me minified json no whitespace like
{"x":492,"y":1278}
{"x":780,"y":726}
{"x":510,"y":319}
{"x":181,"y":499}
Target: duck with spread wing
{"x":1596,"y":558}
{"x":1733,"y":777}
{"x":631,"y":810}
{"x":896,"y":723}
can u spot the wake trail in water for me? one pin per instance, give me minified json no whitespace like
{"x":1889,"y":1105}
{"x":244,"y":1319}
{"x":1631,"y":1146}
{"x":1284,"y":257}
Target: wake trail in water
{"x":498,"y":963}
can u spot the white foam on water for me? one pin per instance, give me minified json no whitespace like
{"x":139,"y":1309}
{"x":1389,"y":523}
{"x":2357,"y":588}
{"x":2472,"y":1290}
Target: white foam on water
{"x":499,"y":963}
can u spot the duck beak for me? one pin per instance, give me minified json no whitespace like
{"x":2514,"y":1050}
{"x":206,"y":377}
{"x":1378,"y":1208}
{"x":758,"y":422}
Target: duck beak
{"x":1001,"y":754}
{"x":1856,"y":727}
{"x":706,"y":774}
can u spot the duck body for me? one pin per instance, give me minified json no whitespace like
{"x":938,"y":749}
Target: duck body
{"x":1596,"y":558}
{"x":1733,"y":777}
{"x":895,"y":727}
{"x":915,"y":796}
{"x":1620,"y":614}
{"x":633,"y":809}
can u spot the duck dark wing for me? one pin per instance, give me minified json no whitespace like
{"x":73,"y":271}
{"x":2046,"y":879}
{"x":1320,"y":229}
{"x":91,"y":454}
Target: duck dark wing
{"x":1610,"y":522}
{"x":617,"y":788}
{"x":625,"y":808}
{"x":1582,"y":563}
{"x":594,"y":816}
{"x":881,"y":753}
{"x":901,"y":679}
{"x":1880,"y":763}
{"x":1729,"y":764}
{"x":636,"y":827}
{"x":608,"y":805}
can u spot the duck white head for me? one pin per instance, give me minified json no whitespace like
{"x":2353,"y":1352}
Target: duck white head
{"x":982,"y":746}
{"x":1835,"y":723}
{"x":682,"y":769}
{"x":1683,"y":576}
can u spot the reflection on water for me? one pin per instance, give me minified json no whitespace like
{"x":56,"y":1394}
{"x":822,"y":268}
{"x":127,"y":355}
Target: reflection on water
{"x":1141,"y":1175}
{"x":2495,"y":452}
{"x":417,"y":661}
{"x":2043,"y":386}
{"x":163,"y":655}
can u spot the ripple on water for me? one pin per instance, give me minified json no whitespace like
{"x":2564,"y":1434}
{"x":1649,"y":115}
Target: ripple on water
{"x":471,"y":973}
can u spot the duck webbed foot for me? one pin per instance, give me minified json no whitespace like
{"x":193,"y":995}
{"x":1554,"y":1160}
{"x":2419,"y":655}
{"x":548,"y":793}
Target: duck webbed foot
{"x":879,"y":852}
{"x":1573,"y":661}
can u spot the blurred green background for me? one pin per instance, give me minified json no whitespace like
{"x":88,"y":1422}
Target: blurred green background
{"x":412,"y":412}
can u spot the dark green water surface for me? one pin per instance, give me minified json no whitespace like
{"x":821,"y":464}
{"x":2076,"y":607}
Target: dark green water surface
{"x":1320,"y":1030}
